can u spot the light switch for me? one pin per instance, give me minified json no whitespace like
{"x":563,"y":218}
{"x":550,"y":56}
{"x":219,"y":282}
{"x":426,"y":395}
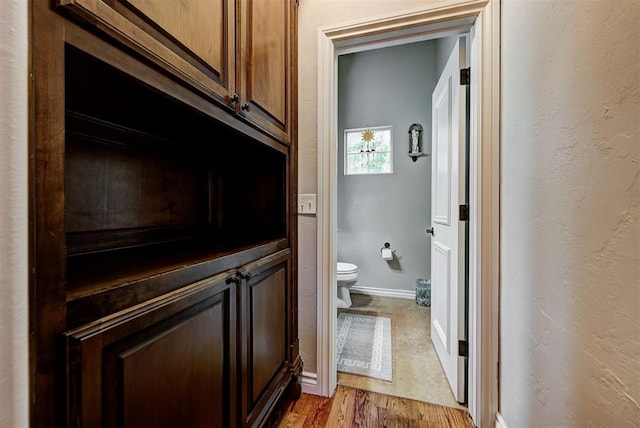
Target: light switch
{"x":307,"y":204}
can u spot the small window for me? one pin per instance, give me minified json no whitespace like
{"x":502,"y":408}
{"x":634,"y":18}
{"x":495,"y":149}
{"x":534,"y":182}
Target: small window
{"x":368,"y":151}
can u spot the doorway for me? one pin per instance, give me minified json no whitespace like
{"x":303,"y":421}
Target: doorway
{"x":384,"y":196}
{"x":481,"y":19}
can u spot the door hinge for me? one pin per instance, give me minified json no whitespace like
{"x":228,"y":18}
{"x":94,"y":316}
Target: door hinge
{"x":463,"y":348}
{"x":464,"y":212}
{"x":465,"y":76}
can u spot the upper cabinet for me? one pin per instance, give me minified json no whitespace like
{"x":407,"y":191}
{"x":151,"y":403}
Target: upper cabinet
{"x":191,"y":39}
{"x":237,"y":52}
{"x":266,"y":72}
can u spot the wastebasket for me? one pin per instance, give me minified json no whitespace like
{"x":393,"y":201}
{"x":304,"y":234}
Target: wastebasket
{"x":423,"y":292}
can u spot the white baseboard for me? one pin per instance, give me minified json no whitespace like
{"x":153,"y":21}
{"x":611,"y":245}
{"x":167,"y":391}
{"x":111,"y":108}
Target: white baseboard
{"x":500,"y":423}
{"x":383,"y":292}
{"x":310,"y":383}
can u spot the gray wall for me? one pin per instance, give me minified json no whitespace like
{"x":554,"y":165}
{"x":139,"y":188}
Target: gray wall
{"x":390,"y":86}
{"x":444,"y":47}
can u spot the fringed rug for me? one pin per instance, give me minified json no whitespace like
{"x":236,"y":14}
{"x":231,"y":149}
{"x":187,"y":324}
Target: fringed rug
{"x":363,"y":345}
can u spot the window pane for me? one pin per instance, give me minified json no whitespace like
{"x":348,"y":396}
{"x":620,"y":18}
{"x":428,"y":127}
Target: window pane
{"x":382,"y":142}
{"x":355,"y":143}
{"x":380,"y":163}
{"x":357,"y":164}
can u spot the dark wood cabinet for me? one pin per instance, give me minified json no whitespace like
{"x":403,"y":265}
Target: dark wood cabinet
{"x":193,"y":40}
{"x":238,"y":53}
{"x":265,"y":57}
{"x":168,"y":362}
{"x":268,"y":342}
{"x":163,"y":231}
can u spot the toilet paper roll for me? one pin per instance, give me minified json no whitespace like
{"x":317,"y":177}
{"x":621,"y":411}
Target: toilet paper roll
{"x":387,"y":254}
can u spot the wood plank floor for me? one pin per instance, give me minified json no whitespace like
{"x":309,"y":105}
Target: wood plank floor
{"x":351,"y":407}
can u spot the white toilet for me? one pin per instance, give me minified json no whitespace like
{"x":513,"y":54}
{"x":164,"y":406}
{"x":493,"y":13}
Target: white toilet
{"x":347,"y":277}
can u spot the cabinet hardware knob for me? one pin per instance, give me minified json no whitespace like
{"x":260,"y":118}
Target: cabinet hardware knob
{"x":246,"y":107}
{"x":245,"y":277}
{"x":431,"y":231}
{"x":238,"y":277}
{"x":234,"y":280}
{"x":233,"y":100}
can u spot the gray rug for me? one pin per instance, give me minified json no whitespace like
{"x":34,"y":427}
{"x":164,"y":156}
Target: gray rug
{"x":363,"y":345}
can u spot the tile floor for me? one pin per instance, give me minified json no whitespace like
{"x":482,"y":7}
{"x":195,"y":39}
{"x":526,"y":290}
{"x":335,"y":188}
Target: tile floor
{"x":417,"y":372}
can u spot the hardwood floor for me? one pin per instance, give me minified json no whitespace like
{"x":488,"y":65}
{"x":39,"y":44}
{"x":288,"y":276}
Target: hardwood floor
{"x":351,"y":407}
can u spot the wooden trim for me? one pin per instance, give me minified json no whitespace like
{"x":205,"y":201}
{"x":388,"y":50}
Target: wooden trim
{"x":326,"y":215}
{"x":489,"y":219}
{"x":292,"y":193}
{"x":442,"y":13}
{"x":310,"y":383}
{"x":383,"y":292}
{"x":484,"y":350}
{"x":46,"y":216}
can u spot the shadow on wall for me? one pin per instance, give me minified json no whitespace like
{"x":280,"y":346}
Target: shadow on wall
{"x":394,"y":263}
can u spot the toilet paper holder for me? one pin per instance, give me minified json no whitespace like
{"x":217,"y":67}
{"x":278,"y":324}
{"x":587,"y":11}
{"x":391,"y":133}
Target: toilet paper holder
{"x":387,"y":246}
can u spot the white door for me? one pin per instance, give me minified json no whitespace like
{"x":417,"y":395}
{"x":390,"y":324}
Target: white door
{"x":448,"y":240}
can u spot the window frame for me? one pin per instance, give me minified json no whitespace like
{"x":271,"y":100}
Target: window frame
{"x":346,"y":153}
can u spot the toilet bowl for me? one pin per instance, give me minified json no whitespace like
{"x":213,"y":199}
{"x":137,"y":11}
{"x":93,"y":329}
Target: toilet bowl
{"x":347,"y":277}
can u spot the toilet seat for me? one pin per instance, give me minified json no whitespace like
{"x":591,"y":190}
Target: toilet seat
{"x":346,"y":268}
{"x":347,"y":277}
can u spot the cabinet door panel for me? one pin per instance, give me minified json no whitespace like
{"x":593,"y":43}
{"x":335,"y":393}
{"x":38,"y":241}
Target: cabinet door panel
{"x":267,"y":329}
{"x":266,"y":77}
{"x":170,"y":362}
{"x":196,"y":24}
{"x":193,"y":39}
{"x":267,"y":325}
{"x":187,"y":360}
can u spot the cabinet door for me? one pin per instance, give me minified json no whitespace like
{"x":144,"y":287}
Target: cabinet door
{"x":193,"y":39}
{"x":266,"y":59}
{"x":265,"y":326}
{"x":170,"y":362}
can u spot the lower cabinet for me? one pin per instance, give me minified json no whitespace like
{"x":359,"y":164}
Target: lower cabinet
{"x":265,"y":339}
{"x":216,"y":353}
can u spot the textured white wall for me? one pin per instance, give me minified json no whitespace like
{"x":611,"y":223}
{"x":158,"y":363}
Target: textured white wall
{"x":570,"y":289}
{"x":313,"y":14}
{"x":14,"y":384}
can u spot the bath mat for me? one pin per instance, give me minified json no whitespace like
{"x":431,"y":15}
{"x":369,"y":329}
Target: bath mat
{"x":363,"y":345}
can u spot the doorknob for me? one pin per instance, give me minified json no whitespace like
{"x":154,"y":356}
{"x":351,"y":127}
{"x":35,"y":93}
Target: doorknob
{"x":431,"y":231}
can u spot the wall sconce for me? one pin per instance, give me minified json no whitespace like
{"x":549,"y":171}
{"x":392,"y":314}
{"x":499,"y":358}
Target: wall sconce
{"x":415,"y":141}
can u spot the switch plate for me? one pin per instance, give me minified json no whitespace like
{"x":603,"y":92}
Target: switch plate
{"x":307,"y":204}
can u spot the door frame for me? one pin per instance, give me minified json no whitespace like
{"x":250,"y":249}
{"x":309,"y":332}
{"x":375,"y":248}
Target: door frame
{"x":482,"y":18}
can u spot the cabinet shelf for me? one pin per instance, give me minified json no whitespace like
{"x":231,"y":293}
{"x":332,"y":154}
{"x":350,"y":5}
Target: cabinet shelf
{"x":158,"y":195}
{"x":126,"y":277}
